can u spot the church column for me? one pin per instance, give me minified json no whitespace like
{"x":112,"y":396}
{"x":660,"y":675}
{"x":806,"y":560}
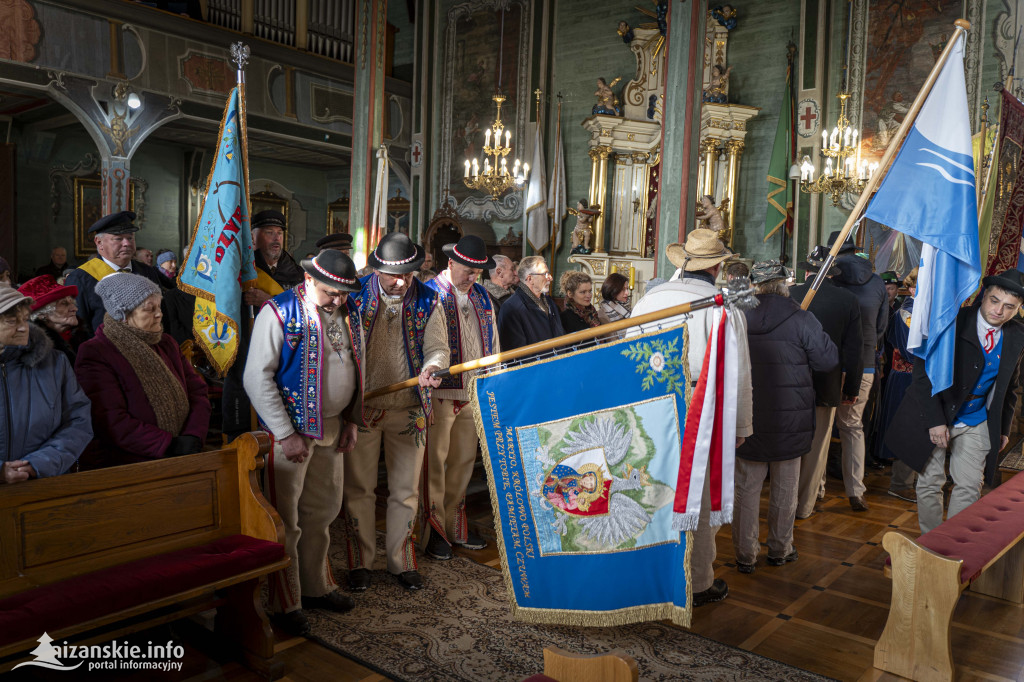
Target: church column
{"x":115,"y":174}
{"x":680,"y":133}
{"x":709,"y":150}
{"x":367,"y":119}
{"x":734,"y":149}
{"x":602,"y":194}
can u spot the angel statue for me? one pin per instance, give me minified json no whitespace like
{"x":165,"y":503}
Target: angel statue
{"x":584,"y":230}
{"x":607,"y":102}
{"x":713,"y":217}
{"x":715,"y":92}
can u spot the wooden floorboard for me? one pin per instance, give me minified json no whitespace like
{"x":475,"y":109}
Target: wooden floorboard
{"x":822,"y":612}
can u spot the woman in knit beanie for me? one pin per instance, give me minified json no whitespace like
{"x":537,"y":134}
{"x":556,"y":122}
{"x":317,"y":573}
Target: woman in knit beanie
{"x":147,"y":401}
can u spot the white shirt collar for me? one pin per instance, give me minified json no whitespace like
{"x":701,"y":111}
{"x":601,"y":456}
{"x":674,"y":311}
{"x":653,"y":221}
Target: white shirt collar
{"x":118,"y":268}
{"x":983,"y":329}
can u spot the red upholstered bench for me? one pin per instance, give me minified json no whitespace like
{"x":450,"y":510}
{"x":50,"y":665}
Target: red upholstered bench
{"x":90,"y":556}
{"x":978,"y":548}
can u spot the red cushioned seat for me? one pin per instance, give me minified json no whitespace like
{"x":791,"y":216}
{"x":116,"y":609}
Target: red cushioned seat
{"x":92,"y":595}
{"x":974,"y":536}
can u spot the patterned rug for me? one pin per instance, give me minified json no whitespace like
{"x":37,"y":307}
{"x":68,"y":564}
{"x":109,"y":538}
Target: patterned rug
{"x":459,"y":628}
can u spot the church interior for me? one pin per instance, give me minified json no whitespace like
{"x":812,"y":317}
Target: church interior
{"x":641,"y":119}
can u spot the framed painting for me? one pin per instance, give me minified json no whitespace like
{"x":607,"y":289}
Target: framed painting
{"x":88,"y":196}
{"x":486,"y":50}
{"x":268,"y":201}
{"x":337,"y":216}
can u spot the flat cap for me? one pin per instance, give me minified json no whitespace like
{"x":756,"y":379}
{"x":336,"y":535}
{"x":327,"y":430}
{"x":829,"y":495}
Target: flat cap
{"x":115,"y":223}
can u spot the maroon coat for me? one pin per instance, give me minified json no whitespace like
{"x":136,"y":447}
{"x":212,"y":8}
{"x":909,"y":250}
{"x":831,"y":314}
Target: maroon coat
{"x":123,"y":420}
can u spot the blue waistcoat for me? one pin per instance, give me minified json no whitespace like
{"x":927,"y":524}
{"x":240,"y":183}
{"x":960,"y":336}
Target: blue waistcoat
{"x":298,"y":374}
{"x":973,"y":412}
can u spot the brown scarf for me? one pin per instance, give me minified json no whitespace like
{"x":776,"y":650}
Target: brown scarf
{"x":164,"y":391}
{"x":588,"y":314}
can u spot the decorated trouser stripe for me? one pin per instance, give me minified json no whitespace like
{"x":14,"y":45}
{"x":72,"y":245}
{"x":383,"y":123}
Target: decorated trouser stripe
{"x":403,"y":433}
{"x":308,"y":498}
{"x":451,"y":452}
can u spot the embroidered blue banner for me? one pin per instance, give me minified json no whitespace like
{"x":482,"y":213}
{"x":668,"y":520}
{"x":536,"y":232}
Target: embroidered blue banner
{"x":582,"y":458}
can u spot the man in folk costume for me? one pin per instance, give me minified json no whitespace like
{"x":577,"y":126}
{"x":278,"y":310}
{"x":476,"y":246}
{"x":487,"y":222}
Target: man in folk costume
{"x":276,"y":272}
{"x":304,"y":377}
{"x":406,"y":337}
{"x":451,"y":436}
{"x":114,"y":236}
{"x":970,"y":421}
{"x":699,"y":262}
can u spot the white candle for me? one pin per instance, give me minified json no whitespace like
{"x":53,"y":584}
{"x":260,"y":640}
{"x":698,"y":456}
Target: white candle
{"x":846,"y":138}
{"x":824,"y":139}
{"x":467,"y":168}
{"x":508,"y":137}
{"x":487,"y":137}
{"x":828,"y":167}
{"x":526,"y":170}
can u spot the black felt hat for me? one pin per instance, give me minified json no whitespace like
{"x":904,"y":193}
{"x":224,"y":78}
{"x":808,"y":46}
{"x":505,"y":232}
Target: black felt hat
{"x":1008,"y":280}
{"x":333,"y":268}
{"x":471,"y":252}
{"x":847,"y":247}
{"x":115,"y":223}
{"x":815,"y":259}
{"x":396,"y":255}
{"x":339,"y":241}
{"x":269,"y":218}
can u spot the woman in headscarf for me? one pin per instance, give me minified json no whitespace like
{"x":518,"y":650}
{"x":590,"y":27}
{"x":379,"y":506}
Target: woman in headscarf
{"x":45,"y":422}
{"x":148,"y":402}
{"x":579,"y":313}
{"x":53,"y":311}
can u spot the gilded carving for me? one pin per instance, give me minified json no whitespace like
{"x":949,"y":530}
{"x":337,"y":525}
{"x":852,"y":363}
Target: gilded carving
{"x":19,"y":31}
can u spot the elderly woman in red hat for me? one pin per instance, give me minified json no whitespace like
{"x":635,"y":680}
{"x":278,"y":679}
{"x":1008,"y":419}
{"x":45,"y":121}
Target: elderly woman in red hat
{"x":54,"y":311}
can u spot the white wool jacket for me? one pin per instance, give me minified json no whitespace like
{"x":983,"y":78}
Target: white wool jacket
{"x":700,"y":326}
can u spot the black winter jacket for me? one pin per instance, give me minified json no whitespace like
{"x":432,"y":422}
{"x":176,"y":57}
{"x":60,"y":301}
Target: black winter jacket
{"x":786,"y":344}
{"x":839,"y":314}
{"x":858,"y":278}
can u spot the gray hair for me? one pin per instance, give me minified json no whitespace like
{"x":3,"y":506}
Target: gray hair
{"x":774,"y":286}
{"x":528,"y":265}
{"x":500,"y":261}
{"x":44,"y":313}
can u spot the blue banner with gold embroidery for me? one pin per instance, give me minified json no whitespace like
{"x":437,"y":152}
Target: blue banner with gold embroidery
{"x":582,"y":457}
{"x":219,"y":257}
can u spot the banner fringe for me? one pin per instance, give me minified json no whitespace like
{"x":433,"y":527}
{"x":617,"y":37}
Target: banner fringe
{"x":685,"y":522}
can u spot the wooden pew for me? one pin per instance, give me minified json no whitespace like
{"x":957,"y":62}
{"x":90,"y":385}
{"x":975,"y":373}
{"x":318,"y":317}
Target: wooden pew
{"x":565,"y":666}
{"x":979,"y":548}
{"x":91,"y":556}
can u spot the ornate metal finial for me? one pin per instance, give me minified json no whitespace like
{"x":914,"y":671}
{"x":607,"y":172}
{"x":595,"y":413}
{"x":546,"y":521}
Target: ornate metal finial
{"x":240,"y":55}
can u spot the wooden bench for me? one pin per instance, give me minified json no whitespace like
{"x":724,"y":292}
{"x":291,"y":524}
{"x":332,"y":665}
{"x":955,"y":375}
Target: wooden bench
{"x":979,"y":548}
{"x":91,"y":556}
{"x":565,"y":666}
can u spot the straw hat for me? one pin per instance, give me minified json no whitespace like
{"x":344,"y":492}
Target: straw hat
{"x":703,"y":250}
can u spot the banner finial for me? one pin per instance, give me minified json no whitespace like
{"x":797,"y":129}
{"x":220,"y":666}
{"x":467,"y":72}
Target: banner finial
{"x":240,"y":55}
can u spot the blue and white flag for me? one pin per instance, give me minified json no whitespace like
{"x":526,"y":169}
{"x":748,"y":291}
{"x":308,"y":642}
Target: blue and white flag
{"x":219,"y":260}
{"x":583,"y":480}
{"x":929,"y":194}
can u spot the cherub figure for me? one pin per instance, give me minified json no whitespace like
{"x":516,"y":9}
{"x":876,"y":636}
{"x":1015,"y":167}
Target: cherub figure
{"x":715,"y":92}
{"x":713,"y":217}
{"x":607,"y":102}
{"x":625,"y":32}
{"x":584,"y":231}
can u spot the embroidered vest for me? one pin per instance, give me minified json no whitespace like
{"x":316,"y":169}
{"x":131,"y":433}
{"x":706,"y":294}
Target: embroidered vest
{"x":484,"y":316}
{"x":298,"y":374}
{"x":416,"y":308}
{"x":974,"y":412}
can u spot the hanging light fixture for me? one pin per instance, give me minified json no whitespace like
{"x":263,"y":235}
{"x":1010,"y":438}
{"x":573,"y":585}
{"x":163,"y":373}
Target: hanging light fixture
{"x":844,"y":171}
{"x":495,"y":177}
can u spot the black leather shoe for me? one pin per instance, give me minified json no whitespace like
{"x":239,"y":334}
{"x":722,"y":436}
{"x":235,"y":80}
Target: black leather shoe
{"x":473,"y":541}
{"x":781,"y":561}
{"x":717,"y":592}
{"x":359,"y":579}
{"x":410,"y":580}
{"x":745,"y":568}
{"x":293,"y":623}
{"x":437,"y":548}
{"x":332,"y":601}
{"x":858,"y":504}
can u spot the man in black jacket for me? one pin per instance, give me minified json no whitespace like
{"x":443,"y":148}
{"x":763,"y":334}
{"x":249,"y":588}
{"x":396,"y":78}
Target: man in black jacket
{"x":971,"y":419}
{"x":839,"y":314}
{"x":857,"y":277}
{"x":529,"y":315}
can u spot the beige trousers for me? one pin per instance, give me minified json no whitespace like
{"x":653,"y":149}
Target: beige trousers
{"x":812,"y":464}
{"x":451,"y":451}
{"x":308,"y":498}
{"x":403,"y":432}
{"x":702,"y":556}
{"x":968,"y":450}
{"x":850,"y":419}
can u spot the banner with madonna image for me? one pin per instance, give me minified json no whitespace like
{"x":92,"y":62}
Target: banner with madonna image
{"x":582,"y":455}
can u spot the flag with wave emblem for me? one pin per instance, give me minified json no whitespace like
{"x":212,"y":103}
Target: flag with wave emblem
{"x":582,"y":456}
{"x":219,"y":260}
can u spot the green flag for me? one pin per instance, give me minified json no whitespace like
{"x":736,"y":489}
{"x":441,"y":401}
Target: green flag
{"x":780,"y":190}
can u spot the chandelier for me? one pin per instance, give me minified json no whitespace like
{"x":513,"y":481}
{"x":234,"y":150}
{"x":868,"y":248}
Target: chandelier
{"x":844,"y":171}
{"x":495,"y":178}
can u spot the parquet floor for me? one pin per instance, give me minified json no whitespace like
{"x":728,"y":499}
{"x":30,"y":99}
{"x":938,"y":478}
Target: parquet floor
{"x":822,"y":612}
